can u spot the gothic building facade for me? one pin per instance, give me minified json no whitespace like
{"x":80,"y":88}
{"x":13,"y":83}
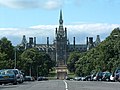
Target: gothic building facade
{"x":60,"y":49}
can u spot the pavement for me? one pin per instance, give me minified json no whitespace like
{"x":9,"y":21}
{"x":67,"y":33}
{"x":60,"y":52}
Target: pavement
{"x":63,"y":85}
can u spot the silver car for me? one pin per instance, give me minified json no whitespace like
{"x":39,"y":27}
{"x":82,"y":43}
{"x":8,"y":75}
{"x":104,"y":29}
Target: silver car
{"x":19,"y":75}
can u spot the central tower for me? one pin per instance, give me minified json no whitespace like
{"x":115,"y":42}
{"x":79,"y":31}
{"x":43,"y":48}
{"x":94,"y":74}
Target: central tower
{"x":61,"y":43}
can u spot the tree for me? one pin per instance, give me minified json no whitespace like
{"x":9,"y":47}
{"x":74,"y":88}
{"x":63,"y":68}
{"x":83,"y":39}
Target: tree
{"x":104,"y":57}
{"x":71,"y":61}
{"x":6,"y":53}
{"x":40,"y":63}
{"x":7,"y":48}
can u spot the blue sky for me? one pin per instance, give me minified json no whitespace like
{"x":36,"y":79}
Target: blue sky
{"x":40,"y":18}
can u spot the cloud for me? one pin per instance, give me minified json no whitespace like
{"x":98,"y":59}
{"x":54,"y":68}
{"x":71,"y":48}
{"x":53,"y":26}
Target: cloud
{"x":80,"y":31}
{"x":46,"y":4}
{"x":53,"y":4}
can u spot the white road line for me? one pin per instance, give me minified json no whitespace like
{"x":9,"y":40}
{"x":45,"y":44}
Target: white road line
{"x":66,"y":85}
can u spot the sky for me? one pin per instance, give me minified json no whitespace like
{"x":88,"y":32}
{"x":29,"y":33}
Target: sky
{"x":39,"y":18}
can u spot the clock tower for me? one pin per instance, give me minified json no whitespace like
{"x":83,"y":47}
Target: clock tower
{"x":61,"y":43}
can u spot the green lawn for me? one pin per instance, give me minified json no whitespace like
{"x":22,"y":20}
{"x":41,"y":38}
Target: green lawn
{"x":52,"y":75}
{"x":71,"y":75}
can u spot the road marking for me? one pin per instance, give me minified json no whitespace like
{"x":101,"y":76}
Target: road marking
{"x":66,"y":85}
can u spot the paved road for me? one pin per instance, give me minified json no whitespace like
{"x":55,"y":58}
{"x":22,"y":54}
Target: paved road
{"x":93,"y":85}
{"x":37,"y":85}
{"x":63,"y":85}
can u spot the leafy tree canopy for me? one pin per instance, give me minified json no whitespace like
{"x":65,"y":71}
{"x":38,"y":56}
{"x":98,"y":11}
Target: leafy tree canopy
{"x":104,"y":57}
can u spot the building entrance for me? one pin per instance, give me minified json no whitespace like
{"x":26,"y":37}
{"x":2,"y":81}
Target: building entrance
{"x":61,"y":72}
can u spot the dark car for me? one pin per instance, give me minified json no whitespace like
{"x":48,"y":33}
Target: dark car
{"x":117,"y":77}
{"x":98,"y":76}
{"x":42,"y":78}
{"x":88,"y":78}
{"x":106,"y":76}
{"x":7,"y":76}
{"x":117,"y":74}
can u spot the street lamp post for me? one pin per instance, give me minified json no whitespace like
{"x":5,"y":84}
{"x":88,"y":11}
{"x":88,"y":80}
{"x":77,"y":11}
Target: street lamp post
{"x":30,"y":70}
{"x":118,"y":46}
{"x":15,"y":59}
{"x":37,"y":71}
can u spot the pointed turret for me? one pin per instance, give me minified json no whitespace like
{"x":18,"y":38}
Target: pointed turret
{"x":24,"y":42}
{"x":97,"y":42}
{"x":60,"y":20}
{"x":61,"y":14}
{"x":61,"y":29}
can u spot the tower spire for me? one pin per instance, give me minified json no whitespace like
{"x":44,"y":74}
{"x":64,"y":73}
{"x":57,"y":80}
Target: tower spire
{"x":61,"y":14}
{"x":60,"y":20}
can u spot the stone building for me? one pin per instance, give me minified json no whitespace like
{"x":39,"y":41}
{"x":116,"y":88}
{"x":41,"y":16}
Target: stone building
{"x":60,"y":49}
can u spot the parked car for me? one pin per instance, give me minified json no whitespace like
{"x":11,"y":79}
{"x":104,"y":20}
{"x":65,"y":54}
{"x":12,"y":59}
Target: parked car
{"x":88,"y":78}
{"x":77,"y":78}
{"x":69,"y":78}
{"x":19,"y":75}
{"x":106,"y":76}
{"x":83,"y":78}
{"x":7,"y":76}
{"x":98,"y":76}
{"x":29,"y":78}
{"x":92,"y":76}
{"x":112,"y":77}
{"x":117,"y":74}
{"x":42,"y":78}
